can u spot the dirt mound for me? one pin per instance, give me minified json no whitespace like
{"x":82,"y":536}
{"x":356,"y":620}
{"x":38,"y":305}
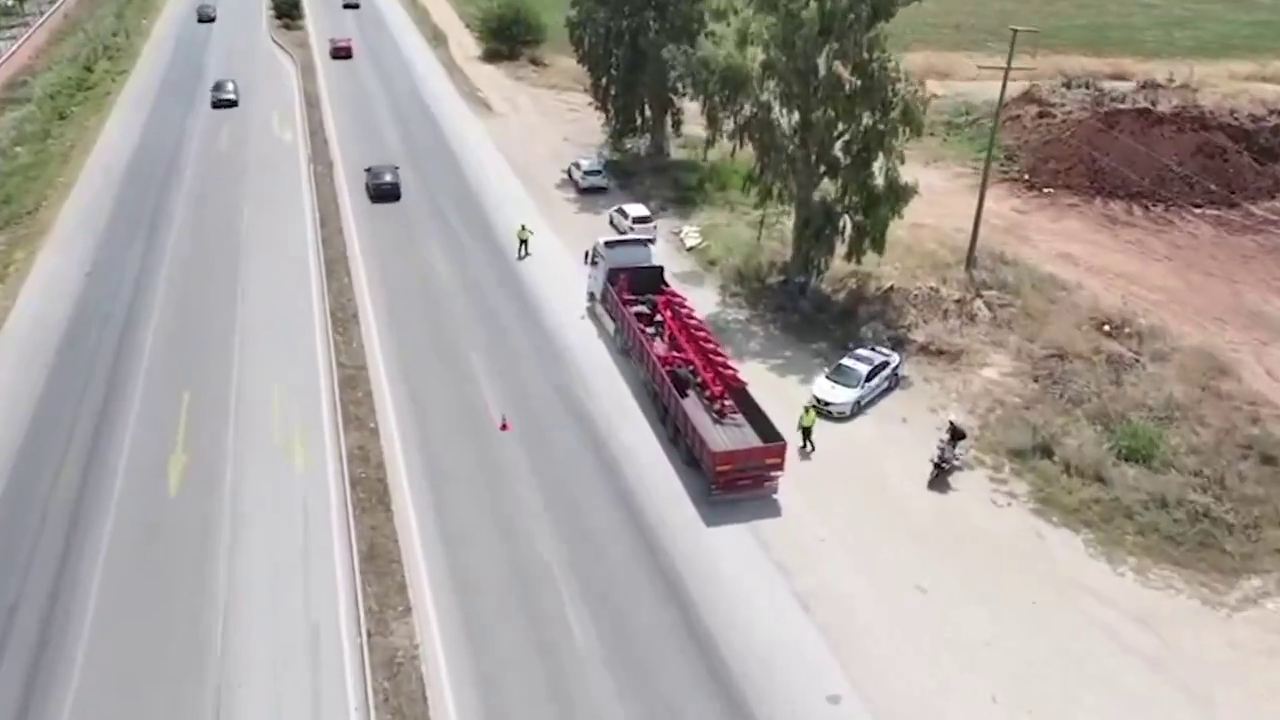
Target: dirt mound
{"x":1140,"y":147}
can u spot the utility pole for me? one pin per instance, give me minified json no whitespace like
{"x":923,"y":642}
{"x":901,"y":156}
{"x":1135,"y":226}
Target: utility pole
{"x":1008,"y":67}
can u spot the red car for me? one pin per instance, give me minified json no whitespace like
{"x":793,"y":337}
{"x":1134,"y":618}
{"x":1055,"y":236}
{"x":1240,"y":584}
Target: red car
{"x":340,"y":48}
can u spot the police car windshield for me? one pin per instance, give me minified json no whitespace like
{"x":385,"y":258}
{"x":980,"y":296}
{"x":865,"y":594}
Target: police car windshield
{"x":845,"y":375}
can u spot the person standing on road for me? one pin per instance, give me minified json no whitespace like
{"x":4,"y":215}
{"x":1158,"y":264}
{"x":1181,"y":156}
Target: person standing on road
{"x":808,"y":418}
{"x":522,"y":241}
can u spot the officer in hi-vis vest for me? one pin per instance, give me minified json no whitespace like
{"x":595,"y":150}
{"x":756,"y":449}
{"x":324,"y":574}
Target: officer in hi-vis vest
{"x":808,"y":418}
{"x":522,"y":238}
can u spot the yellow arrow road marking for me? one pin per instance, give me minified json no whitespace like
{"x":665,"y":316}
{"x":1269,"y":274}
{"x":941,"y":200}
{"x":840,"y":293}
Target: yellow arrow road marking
{"x":178,"y":458}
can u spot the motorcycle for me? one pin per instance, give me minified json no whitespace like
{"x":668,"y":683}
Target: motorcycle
{"x":947,"y":459}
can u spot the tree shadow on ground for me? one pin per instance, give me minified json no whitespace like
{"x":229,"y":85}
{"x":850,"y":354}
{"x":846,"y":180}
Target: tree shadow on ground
{"x":670,"y":187}
{"x":690,"y":278}
{"x":592,"y":202}
{"x":797,"y":334}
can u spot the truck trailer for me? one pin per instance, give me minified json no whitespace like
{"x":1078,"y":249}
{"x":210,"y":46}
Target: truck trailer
{"x":703,"y":404}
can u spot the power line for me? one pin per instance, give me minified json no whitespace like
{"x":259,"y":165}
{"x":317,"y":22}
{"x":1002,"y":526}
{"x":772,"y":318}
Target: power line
{"x":1008,"y":67}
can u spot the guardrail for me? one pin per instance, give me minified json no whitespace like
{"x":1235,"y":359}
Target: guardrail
{"x":46,"y":9}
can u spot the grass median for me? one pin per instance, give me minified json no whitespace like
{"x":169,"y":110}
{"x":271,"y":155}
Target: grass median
{"x":50,"y":117}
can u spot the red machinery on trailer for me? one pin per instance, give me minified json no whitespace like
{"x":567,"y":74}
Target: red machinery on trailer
{"x":703,"y":403}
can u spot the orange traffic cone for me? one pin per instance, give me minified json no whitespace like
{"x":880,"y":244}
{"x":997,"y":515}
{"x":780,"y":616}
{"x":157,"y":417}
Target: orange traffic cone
{"x":504,"y":425}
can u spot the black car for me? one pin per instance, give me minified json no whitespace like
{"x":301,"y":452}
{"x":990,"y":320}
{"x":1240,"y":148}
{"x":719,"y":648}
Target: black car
{"x":206,"y":13}
{"x":224,"y":94}
{"x":350,"y":4}
{"x":382,"y":183}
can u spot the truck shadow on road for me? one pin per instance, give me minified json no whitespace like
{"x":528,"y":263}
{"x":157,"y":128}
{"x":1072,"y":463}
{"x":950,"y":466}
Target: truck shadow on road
{"x":714,"y":513}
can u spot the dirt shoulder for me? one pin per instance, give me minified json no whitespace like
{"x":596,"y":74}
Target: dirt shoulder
{"x":390,"y":630}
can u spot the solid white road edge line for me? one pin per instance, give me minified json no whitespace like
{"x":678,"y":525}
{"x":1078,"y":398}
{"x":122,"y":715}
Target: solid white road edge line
{"x":422,"y":604}
{"x":334,"y":436}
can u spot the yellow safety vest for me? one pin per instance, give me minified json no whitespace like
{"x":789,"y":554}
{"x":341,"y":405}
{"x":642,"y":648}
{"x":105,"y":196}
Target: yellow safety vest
{"x":523,"y":234}
{"x":808,"y":418}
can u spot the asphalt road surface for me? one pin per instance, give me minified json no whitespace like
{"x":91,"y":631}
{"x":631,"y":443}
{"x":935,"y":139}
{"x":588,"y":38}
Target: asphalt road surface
{"x":566,"y":576}
{"x":173,"y":537}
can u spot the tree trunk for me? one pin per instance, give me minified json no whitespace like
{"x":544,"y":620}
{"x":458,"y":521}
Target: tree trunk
{"x":803,"y":242}
{"x":659,"y":102}
{"x":659,"y":144}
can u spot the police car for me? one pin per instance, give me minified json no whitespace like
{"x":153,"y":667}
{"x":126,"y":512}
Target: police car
{"x":858,"y":378}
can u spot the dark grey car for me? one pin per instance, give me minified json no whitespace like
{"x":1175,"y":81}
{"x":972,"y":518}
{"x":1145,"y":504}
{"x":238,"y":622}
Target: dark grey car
{"x":206,"y":13}
{"x":224,"y":94}
{"x":382,"y":183}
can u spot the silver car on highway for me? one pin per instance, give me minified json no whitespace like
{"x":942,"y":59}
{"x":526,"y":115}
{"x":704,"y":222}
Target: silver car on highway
{"x":224,"y":94}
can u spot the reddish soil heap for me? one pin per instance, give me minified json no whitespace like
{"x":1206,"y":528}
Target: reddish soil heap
{"x":1122,"y":146}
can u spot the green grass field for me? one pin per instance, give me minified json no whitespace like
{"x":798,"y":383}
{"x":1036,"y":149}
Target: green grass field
{"x":1204,"y":29}
{"x":50,"y":117}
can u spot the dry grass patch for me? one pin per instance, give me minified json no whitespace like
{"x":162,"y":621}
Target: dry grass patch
{"x":963,"y":66}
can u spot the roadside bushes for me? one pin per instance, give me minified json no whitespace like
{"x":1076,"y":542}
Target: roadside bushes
{"x":510,"y":30}
{"x":287,"y":12}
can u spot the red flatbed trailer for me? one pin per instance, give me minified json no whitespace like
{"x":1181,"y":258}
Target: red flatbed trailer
{"x":704,"y":406}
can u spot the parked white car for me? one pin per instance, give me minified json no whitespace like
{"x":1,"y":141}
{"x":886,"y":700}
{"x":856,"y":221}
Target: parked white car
{"x":859,"y":377}
{"x":633,"y":219}
{"x":588,"y":174}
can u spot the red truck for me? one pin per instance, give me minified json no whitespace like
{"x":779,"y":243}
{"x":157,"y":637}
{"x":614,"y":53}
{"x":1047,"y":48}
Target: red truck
{"x":703,"y":404}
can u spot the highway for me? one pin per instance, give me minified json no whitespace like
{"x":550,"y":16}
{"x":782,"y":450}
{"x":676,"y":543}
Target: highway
{"x":567,"y":575}
{"x":173,"y":531}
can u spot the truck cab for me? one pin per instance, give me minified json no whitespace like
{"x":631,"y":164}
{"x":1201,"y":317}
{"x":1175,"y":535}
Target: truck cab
{"x":610,"y":253}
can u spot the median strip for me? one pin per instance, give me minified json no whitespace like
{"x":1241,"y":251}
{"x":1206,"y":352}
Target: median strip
{"x":395,"y":665}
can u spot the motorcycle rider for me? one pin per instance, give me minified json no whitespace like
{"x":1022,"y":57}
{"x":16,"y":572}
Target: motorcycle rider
{"x":950,"y":444}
